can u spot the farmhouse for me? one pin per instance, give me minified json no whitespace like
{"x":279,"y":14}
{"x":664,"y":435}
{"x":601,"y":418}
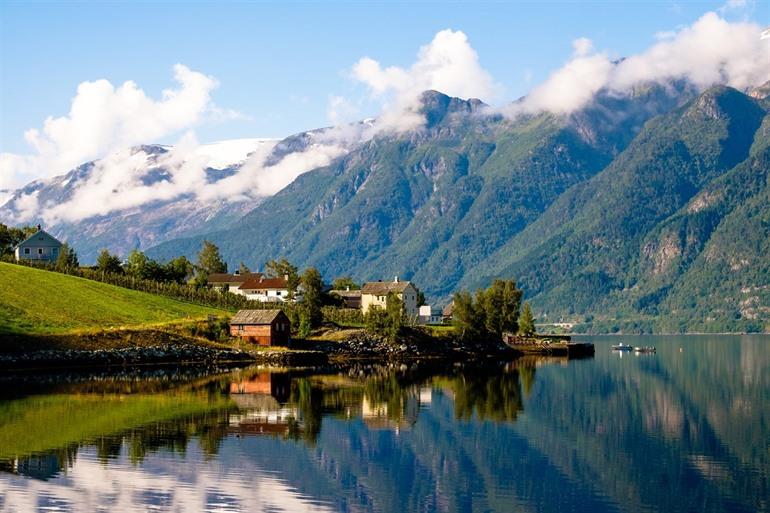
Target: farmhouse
{"x":375,"y":294}
{"x":264,"y":327}
{"x":231,"y":281}
{"x":271,"y":290}
{"x":40,"y":246}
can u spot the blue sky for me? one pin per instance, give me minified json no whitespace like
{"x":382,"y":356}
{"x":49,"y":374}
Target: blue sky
{"x":259,"y":69}
{"x":278,"y":64}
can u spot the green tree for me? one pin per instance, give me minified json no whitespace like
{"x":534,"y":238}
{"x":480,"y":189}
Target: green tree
{"x":179,"y":269}
{"x":67,"y":258}
{"x":209,"y":262}
{"x":420,"y":299}
{"x":282,"y":268}
{"x":490,"y":313}
{"x":312,"y":296}
{"x":136,"y":264}
{"x":395,"y":316}
{"x":344,"y":283}
{"x":243,"y":269}
{"x":501,"y":303}
{"x":108,"y":263}
{"x":468,"y":320}
{"x":527,"y":321}
{"x":376,"y":320}
{"x":11,"y":236}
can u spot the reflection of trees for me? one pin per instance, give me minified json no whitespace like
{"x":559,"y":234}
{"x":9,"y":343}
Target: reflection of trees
{"x":491,"y":397}
{"x":309,"y":401}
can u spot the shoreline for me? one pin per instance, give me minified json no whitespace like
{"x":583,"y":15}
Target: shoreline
{"x":154,"y":347}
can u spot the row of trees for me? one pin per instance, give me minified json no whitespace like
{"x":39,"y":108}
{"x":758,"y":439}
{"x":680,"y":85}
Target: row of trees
{"x":491,"y":312}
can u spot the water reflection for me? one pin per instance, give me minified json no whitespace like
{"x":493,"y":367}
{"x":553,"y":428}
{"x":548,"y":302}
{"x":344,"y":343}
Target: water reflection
{"x":687,"y":429}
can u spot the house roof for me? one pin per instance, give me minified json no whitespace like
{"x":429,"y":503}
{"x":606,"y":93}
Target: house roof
{"x":48,"y":240}
{"x":346,"y":293}
{"x":265,"y":283}
{"x":256,"y":316}
{"x":383,"y":288}
{"x":449,"y":309}
{"x":232,"y":278}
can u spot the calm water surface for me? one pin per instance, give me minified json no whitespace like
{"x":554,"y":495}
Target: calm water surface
{"x":686,"y":429}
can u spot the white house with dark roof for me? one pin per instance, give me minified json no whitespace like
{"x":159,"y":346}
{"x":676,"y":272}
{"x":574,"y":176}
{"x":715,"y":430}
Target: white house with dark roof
{"x":232,"y":281}
{"x":40,"y":246}
{"x":375,"y":294}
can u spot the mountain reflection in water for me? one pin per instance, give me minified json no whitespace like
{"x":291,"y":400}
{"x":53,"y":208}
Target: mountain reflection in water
{"x":682,"y":430}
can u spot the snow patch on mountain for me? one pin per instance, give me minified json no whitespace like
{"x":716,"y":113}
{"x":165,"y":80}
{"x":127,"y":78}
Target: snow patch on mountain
{"x":224,"y":154}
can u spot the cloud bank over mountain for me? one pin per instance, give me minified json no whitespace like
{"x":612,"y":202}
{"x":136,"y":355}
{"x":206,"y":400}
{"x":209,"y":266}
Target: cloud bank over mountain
{"x":710,"y":51}
{"x":104,"y":118}
{"x":105,"y":123}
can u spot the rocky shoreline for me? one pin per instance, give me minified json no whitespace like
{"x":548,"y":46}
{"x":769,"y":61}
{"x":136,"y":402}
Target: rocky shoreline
{"x":154,"y":348}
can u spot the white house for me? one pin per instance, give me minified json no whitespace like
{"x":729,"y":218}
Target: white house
{"x":266,"y":289}
{"x":430,"y":315}
{"x":40,"y":246}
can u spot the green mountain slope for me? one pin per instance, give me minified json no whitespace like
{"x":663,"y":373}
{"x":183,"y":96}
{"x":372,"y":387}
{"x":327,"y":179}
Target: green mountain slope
{"x":431,"y":205}
{"x":620,"y":244}
{"x":33,"y":301}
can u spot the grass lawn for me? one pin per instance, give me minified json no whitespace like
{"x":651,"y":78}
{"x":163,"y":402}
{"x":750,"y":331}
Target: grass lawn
{"x":38,"y":302}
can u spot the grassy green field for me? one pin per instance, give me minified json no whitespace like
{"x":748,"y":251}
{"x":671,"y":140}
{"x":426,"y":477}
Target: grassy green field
{"x":37,"y":302}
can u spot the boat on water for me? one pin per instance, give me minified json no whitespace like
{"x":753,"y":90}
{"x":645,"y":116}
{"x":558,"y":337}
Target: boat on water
{"x":644,"y":349}
{"x":622,"y":347}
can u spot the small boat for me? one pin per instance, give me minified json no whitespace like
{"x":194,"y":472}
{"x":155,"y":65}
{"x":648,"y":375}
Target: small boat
{"x":645,"y":349}
{"x":622,"y":347}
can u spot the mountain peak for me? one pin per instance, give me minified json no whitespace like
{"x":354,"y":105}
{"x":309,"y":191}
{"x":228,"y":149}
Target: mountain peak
{"x":436,"y":106}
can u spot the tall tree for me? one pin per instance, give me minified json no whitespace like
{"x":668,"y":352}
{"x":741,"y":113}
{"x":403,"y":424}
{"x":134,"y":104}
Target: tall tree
{"x":243,"y":269}
{"x":67,"y":258}
{"x":467,"y":321}
{"x":312,"y":297}
{"x":491,"y":313}
{"x":527,"y":321}
{"x":282,"y":268}
{"x":179,"y":269}
{"x":108,"y":263}
{"x":136,"y":264}
{"x":209,"y":262}
{"x":395,"y":311}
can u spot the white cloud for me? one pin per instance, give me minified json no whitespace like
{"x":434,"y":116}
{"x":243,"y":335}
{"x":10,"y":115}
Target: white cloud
{"x":710,"y":51}
{"x":582,"y":46}
{"x":448,"y":64}
{"x":104,"y":119}
{"x":119,"y":181}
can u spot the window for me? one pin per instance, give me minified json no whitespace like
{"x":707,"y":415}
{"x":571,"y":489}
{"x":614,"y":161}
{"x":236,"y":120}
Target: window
{"x":39,"y":251}
{"x":278,"y":293}
{"x":26,"y":251}
{"x":55,"y":251}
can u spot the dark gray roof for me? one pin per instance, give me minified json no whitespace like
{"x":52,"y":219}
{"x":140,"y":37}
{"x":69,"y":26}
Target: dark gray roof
{"x":255,"y":316}
{"x":346,"y":293}
{"x":48,"y":240}
{"x":382,"y":288}
{"x":232,"y":278}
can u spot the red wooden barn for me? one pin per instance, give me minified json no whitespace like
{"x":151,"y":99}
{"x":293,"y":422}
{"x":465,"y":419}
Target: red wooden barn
{"x":265,"y":327}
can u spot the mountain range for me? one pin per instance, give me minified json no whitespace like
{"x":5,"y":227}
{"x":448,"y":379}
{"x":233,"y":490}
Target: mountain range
{"x":643,"y":211}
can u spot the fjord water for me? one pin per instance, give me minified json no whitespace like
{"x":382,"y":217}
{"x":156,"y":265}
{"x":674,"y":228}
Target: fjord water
{"x":685,"y":429}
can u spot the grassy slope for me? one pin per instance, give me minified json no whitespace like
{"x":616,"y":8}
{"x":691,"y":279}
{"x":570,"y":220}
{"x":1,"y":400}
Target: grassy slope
{"x":38,"y":302}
